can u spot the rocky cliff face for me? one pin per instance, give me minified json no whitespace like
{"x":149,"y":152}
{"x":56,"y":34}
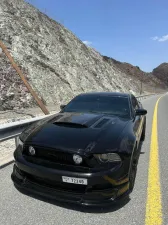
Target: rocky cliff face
{"x":57,"y":64}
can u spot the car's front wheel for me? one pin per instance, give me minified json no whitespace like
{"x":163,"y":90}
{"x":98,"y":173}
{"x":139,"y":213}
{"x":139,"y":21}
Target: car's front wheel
{"x":132,"y":175}
{"x":143,"y":131}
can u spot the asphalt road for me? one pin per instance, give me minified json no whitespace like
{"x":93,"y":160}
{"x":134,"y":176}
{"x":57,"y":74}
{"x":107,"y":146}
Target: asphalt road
{"x":16,"y":208}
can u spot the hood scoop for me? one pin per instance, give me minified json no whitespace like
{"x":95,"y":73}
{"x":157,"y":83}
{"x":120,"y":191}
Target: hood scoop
{"x":101,"y":123}
{"x":70,"y":125}
{"x":55,"y":118}
{"x":75,"y":120}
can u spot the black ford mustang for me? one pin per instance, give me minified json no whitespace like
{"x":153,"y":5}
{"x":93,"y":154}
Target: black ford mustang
{"x":87,"y":153}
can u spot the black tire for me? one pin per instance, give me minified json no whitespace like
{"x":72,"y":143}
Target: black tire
{"x":143,"y":131}
{"x":132,"y":174}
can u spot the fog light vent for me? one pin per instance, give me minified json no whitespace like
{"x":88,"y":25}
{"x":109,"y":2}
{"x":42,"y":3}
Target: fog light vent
{"x":32,"y":151}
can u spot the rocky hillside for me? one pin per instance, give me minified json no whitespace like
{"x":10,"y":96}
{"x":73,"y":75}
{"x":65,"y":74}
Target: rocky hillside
{"x":57,"y":64}
{"x":13,"y":94}
{"x":161,"y":72}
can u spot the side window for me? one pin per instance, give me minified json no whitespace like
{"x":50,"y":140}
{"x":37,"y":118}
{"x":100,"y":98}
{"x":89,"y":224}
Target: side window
{"x":135,"y":103}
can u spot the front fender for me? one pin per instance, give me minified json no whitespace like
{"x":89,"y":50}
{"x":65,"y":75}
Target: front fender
{"x":127,"y":141}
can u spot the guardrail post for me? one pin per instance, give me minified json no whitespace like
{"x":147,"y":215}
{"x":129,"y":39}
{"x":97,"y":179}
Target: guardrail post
{"x":16,"y":141}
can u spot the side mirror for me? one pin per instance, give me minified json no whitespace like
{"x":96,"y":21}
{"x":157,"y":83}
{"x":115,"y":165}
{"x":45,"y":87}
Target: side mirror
{"x":62,"y":106}
{"x":141,"y":112}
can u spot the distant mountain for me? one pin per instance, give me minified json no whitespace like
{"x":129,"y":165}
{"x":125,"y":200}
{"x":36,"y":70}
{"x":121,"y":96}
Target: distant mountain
{"x":161,"y":72}
{"x":57,"y":64}
{"x":150,"y":81}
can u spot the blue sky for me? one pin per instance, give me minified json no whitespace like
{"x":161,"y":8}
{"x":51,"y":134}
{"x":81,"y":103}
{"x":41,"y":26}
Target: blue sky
{"x":128,"y":30}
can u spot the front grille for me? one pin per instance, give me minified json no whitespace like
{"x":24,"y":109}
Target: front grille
{"x":54,"y":156}
{"x":51,"y":155}
{"x":57,"y":166}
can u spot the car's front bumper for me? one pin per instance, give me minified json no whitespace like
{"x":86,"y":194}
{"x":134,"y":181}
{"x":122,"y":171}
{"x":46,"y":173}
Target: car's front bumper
{"x":43,"y":181}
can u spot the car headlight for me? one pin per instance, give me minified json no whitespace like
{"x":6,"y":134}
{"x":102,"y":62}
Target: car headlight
{"x":18,"y":142}
{"x":108,"y":157}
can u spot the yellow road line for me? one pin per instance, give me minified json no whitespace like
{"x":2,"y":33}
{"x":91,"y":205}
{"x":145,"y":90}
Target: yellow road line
{"x":154,"y":204}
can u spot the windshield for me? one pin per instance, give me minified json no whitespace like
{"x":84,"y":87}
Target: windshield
{"x":112,"y":105}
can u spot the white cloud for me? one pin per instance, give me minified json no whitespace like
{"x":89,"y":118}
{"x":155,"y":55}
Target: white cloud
{"x":154,"y":38}
{"x":164,"y":38}
{"x":160,"y":39}
{"x":87,"y":42}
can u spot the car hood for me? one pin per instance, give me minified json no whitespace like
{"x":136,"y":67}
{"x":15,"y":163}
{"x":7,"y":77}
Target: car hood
{"x":76,"y":132}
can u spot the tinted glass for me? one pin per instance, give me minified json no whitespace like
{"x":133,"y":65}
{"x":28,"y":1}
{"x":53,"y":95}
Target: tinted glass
{"x":100,"y":104}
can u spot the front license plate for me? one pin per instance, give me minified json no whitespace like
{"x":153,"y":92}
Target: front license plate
{"x":74,"y":180}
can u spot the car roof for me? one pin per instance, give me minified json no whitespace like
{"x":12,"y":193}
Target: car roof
{"x":117,"y":94}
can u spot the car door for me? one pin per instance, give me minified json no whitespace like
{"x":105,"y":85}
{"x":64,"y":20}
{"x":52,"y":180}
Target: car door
{"x":137,"y":119}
